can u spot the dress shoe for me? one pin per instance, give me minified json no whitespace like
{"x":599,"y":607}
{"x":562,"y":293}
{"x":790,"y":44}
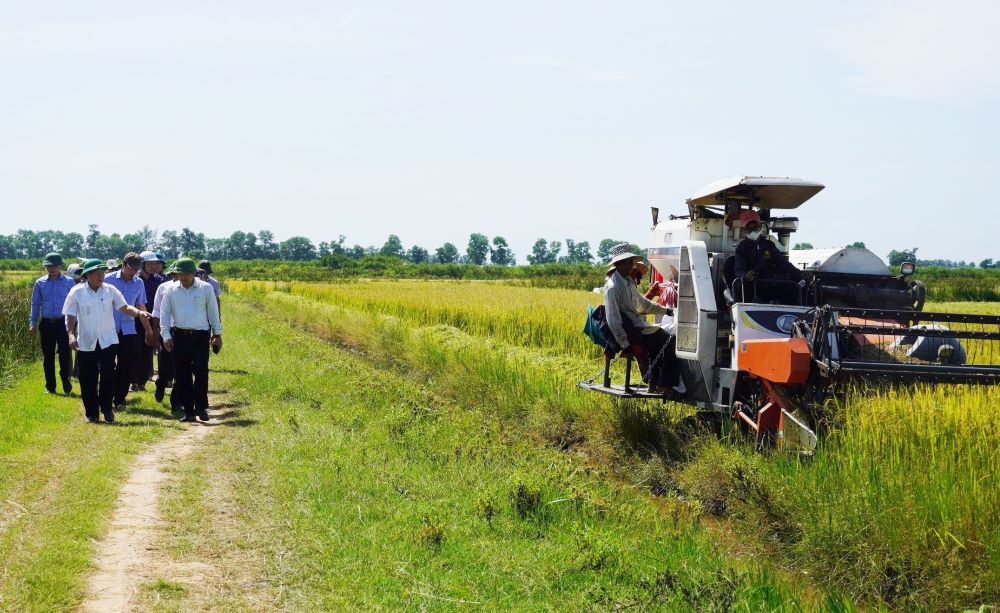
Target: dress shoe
{"x":203,"y":415}
{"x":93,"y":420}
{"x":109,"y":417}
{"x":189,"y":418}
{"x":67,"y":386}
{"x":158,"y":394}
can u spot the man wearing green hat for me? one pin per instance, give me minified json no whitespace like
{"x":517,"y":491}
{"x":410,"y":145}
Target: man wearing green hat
{"x":189,"y":323}
{"x":90,"y":324}
{"x":47,"y":298}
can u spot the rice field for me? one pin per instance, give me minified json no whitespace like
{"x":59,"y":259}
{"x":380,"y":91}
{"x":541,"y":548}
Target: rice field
{"x":899,"y":508}
{"x":15,"y":344}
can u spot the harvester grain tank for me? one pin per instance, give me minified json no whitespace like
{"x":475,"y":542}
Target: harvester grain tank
{"x":762,"y":362}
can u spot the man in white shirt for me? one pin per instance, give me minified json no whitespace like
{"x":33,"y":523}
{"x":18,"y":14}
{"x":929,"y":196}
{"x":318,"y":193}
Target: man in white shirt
{"x":165,"y":374}
{"x":92,"y":305}
{"x":189,"y":323}
{"x":625,"y":309}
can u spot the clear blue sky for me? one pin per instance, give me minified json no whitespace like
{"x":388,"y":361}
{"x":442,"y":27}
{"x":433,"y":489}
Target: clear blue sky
{"x":433,"y":119}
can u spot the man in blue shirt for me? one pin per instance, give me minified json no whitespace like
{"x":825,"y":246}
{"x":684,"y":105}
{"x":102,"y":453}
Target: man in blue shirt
{"x":128,"y":282}
{"x":46,"y":320}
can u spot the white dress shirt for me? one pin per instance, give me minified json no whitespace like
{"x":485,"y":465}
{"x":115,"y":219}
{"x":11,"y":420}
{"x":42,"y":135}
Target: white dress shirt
{"x":622,"y":299}
{"x":158,"y":298}
{"x":95,"y":314}
{"x":191,"y":308}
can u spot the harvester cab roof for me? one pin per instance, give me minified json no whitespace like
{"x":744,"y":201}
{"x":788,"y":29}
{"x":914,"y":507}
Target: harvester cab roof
{"x":764,"y":360}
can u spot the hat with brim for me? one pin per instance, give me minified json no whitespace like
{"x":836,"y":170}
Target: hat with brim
{"x":91,"y":265}
{"x":184,"y":265}
{"x":621,"y":251}
{"x":52,"y":259}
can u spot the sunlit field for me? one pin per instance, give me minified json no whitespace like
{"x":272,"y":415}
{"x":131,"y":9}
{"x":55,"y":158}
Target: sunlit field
{"x":900,"y":505}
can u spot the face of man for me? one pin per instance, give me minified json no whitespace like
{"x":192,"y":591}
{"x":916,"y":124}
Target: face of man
{"x":54,"y":271}
{"x":157,"y":267}
{"x":95,"y":278}
{"x":129,"y":271}
{"x":186,"y":278}
{"x":624,"y":267}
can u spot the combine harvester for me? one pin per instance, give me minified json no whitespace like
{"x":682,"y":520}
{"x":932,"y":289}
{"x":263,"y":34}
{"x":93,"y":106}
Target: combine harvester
{"x":766,"y":364}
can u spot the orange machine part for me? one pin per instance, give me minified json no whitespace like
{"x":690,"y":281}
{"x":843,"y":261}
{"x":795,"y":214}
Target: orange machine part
{"x":781,"y":360}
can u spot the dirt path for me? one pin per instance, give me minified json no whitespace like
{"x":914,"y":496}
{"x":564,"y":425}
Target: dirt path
{"x":127,"y":554}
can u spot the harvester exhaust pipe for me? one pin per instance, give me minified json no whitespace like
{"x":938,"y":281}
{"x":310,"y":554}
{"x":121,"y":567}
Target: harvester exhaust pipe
{"x":656,"y":214}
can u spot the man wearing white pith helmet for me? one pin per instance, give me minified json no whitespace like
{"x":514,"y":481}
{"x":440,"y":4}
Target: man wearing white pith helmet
{"x":625,"y":310}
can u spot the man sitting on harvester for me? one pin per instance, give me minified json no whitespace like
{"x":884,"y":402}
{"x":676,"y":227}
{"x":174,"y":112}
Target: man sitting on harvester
{"x":625,"y":309}
{"x":763,"y":273}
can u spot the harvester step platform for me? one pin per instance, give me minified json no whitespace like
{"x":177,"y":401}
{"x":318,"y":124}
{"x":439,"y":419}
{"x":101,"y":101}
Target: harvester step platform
{"x":620,"y":391}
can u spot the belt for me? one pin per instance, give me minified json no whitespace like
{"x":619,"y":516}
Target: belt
{"x":54,"y":319}
{"x":176,"y":331}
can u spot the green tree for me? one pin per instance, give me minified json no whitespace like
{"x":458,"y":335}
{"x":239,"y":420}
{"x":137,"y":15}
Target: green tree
{"x":604,"y":248}
{"x":93,"y":234}
{"x":897,"y":257}
{"x":478,"y":249}
{"x":500,"y":253}
{"x":71,"y":245}
{"x":539,"y":252}
{"x":148,"y":238}
{"x":987,"y":263}
{"x":393,"y":247}
{"x":802,"y":246}
{"x":418,"y":255}
{"x":446,"y":254}
{"x":297,"y":248}
{"x":577,"y":253}
{"x":170,"y":244}
{"x":7,"y":249}
{"x":267,"y":249}
{"x":857,"y":245}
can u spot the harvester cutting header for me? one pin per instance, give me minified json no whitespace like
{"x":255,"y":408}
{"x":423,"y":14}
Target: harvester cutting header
{"x":761,"y":331}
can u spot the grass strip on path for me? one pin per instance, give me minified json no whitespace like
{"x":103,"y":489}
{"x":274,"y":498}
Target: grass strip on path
{"x":59,"y":477}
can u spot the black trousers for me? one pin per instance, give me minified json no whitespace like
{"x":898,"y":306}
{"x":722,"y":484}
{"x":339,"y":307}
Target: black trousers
{"x":53,"y":336}
{"x":662,"y":372}
{"x":128,"y":355}
{"x":97,"y":379}
{"x":190,"y":370}
{"x":165,"y":376}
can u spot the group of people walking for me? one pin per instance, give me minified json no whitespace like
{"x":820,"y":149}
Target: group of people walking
{"x":117,"y":320}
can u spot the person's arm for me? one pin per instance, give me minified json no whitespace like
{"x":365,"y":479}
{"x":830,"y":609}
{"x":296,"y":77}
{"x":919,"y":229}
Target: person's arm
{"x":118,"y":302}
{"x":613,"y":314}
{"x":786,"y":267}
{"x":36,"y":305}
{"x":133,"y":312}
{"x":214,"y":320}
{"x":71,"y":331}
{"x":648,"y":307}
{"x":70,"y":311}
{"x":166,"y":318}
{"x":742,"y":264}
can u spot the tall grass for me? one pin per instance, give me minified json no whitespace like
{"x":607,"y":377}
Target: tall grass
{"x":900,"y":506}
{"x":16,"y":345}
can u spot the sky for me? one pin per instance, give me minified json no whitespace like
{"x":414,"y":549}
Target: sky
{"x":433,"y":120}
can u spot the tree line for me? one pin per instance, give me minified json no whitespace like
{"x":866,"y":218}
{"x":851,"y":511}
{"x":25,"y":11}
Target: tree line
{"x":262,"y":245}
